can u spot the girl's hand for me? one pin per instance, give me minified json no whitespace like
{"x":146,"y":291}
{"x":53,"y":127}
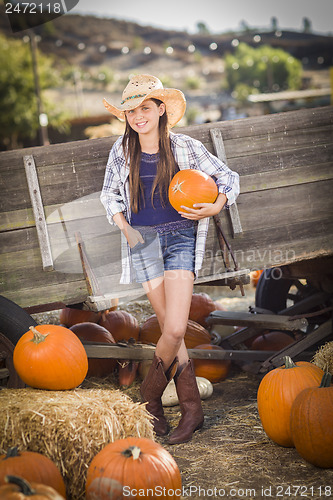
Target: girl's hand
{"x":202,"y":210}
{"x":133,"y":236}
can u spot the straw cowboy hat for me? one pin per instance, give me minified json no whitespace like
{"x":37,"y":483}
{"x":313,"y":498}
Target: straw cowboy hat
{"x":142,"y":87}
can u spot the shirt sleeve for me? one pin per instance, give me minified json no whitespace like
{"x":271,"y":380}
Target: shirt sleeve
{"x":227,"y":180}
{"x":112,"y":195}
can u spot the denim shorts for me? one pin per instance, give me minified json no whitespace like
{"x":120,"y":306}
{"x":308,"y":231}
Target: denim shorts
{"x":164,"y":251}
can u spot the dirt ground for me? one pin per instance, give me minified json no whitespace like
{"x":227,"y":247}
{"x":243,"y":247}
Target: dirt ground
{"x":232,"y":456}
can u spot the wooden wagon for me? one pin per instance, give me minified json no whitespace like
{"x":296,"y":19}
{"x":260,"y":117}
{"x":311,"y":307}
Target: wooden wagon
{"x":58,"y":249}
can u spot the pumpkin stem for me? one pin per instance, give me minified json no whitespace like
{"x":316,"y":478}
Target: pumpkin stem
{"x":38,"y":337}
{"x":288,"y":362}
{"x":12,"y":452}
{"x":25,"y":487}
{"x":326,"y":380}
{"x":178,"y":187}
{"x":132,"y":451}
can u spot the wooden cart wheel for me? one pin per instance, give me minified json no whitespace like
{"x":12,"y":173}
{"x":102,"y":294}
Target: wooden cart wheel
{"x":272,"y":290}
{"x":276,"y":293}
{"x":14,"y":321}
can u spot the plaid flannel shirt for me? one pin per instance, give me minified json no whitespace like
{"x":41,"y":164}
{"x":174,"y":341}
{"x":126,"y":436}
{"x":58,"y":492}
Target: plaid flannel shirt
{"x":188,"y":153}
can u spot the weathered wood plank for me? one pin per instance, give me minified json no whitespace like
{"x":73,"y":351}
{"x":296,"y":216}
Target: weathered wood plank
{"x":81,"y":173}
{"x":291,"y":174}
{"x":72,"y":292}
{"x":287,"y":177}
{"x":265,"y":161}
{"x":248,"y":127}
{"x":269,"y":321}
{"x":143,"y":352}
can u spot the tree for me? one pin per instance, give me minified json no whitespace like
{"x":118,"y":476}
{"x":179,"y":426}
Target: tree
{"x":262,"y":69}
{"x":274,"y":23}
{"x":307,"y":25}
{"x":18,"y":117}
{"x":202,"y":28}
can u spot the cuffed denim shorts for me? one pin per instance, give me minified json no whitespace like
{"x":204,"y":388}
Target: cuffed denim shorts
{"x":164,"y":251}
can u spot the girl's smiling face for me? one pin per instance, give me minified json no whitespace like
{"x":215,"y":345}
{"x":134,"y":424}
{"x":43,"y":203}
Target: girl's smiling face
{"x":145,"y":118}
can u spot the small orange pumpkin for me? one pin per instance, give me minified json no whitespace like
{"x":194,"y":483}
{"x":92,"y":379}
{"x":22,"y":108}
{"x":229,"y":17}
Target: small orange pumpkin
{"x":255,"y":276}
{"x":214,"y":370}
{"x":201,"y":306}
{"x":70,"y":316}
{"x":50,"y":357}
{"x":311,"y":422}
{"x":272,"y":341}
{"x":121,"y":324}
{"x":31,"y":466}
{"x":17,"y":488}
{"x":127,"y":371}
{"x":190,"y":186}
{"x":277,"y":392}
{"x":92,"y":332}
{"x":195,"y":334}
{"x":129,"y":464}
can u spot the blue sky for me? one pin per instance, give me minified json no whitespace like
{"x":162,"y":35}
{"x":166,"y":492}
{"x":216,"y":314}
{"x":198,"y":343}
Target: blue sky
{"x":218,"y":15}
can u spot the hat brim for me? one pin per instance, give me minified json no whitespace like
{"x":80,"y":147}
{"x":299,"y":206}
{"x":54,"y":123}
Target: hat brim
{"x":173,"y":99}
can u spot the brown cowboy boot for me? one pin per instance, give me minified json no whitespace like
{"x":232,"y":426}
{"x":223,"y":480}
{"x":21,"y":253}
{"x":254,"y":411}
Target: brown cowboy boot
{"x":152,"y":389}
{"x":190,"y":405}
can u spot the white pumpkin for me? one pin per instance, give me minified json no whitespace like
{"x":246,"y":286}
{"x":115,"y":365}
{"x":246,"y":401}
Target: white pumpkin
{"x":170,"y":398}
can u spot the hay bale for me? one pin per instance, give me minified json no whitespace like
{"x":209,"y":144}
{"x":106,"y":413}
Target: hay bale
{"x":69,"y":427}
{"x":323,"y":358}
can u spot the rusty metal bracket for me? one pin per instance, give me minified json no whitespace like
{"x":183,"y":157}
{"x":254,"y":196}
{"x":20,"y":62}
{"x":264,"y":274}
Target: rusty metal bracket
{"x":223,"y":242}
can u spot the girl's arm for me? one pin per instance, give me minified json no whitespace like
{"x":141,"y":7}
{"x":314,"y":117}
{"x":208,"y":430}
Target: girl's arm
{"x":202,"y":210}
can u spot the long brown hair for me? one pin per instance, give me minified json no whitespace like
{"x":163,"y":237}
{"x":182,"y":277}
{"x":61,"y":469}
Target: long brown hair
{"x":165,"y":168}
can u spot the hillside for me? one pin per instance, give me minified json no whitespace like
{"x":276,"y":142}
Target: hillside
{"x":91,"y":45}
{"x":89,"y":41}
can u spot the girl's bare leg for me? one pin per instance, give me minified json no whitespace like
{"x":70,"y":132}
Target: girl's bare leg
{"x":170,"y":298}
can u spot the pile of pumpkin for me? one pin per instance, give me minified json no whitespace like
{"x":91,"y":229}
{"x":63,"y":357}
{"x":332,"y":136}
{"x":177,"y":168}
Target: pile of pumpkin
{"x":62,"y":357}
{"x":295,"y":405}
{"x":30,"y":474}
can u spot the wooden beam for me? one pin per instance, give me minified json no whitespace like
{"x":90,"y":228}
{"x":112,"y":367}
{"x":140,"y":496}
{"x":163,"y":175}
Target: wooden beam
{"x":38,"y":210}
{"x":266,"y":321}
{"x":140,"y":352}
{"x":216,"y":135}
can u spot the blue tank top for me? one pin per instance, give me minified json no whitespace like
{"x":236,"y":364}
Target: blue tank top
{"x":149,"y":214}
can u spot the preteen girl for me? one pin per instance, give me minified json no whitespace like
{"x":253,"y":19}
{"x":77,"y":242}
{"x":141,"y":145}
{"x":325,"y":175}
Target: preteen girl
{"x":163,"y":249}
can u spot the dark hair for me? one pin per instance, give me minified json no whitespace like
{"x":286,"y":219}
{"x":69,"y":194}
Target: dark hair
{"x":166,"y":166}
